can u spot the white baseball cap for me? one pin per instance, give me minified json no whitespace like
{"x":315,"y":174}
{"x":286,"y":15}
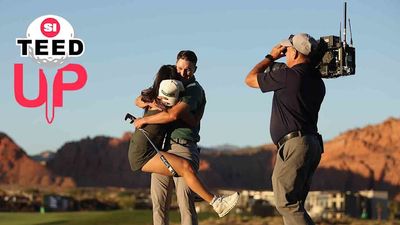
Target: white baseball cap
{"x":302,"y":42}
{"x":169,"y":91}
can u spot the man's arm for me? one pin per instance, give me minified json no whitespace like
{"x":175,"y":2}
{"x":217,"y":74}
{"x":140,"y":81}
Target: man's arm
{"x":178,"y":111}
{"x":251,"y":79}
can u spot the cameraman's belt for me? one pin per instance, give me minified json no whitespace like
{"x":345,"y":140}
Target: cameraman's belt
{"x":181,"y":141}
{"x":291,"y":135}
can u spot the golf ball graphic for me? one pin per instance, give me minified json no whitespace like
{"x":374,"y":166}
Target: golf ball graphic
{"x":49,"y":27}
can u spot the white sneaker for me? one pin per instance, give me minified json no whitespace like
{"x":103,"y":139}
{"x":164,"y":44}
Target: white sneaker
{"x":223,"y":204}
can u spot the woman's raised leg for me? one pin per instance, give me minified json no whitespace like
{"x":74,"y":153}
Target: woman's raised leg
{"x":222,"y":205}
{"x":183,"y":168}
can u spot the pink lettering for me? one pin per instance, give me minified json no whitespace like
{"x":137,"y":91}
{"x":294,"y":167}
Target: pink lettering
{"x":58,"y":87}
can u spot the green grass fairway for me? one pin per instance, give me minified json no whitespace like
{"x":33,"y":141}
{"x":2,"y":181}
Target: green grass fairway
{"x":119,"y":217}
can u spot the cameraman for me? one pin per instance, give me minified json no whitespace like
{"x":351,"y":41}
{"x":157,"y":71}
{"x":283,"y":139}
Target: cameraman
{"x":298,"y":94}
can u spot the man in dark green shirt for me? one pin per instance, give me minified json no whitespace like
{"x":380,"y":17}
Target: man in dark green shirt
{"x":194,"y":97}
{"x":183,"y":142}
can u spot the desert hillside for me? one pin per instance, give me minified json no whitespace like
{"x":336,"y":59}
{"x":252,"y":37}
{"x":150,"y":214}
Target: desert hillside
{"x":362,"y":158}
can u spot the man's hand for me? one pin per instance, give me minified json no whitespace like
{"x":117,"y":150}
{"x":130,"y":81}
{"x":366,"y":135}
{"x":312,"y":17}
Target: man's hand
{"x":139,"y":122}
{"x":277,"y":51}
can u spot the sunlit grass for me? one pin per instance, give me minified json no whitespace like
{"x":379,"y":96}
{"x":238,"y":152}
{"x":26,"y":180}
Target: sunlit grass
{"x":120,"y":217}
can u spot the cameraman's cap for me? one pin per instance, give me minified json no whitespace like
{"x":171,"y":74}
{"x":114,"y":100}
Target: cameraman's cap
{"x":169,"y":91}
{"x":302,"y":42}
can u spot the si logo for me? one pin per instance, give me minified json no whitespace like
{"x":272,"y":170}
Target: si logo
{"x":50,"y":41}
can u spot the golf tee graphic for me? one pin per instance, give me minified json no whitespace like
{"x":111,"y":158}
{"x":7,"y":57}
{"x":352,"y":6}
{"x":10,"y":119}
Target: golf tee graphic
{"x":50,"y":42}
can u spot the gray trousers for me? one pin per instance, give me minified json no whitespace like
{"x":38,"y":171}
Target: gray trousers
{"x":296,"y":162}
{"x":161,"y":189}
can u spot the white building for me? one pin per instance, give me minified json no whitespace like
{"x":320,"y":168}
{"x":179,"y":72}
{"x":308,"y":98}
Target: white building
{"x":329,"y":204}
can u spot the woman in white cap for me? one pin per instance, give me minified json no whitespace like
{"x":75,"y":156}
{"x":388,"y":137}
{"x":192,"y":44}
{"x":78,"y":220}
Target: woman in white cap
{"x":140,"y":150}
{"x":163,"y":94}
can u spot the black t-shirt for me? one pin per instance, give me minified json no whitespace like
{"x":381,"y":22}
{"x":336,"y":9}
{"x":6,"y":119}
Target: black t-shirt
{"x":298,"y":94}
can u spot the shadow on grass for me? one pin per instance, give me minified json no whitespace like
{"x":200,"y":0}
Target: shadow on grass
{"x":53,"y":222}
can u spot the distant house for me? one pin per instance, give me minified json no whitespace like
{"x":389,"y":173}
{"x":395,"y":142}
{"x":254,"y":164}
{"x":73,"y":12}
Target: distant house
{"x":377,"y":204}
{"x":326,"y":204}
{"x":17,"y":203}
{"x":259,"y":203}
{"x":94,"y":204}
{"x":336,"y":205}
{"x":58,"y":203}
{"x":143,"y":201}
{"x":2,"y":203}
{"x":248,"y":195}
{"x":322,"y":204}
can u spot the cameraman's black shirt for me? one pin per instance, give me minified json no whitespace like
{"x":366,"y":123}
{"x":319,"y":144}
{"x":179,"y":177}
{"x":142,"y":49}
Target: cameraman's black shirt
{"x":298,"y":94}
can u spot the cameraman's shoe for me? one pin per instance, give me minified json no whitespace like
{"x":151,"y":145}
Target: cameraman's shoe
{"x":223,"y":204}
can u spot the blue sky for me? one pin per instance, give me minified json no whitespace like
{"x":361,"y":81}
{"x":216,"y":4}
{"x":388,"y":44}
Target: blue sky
{"x":127,"y":41}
